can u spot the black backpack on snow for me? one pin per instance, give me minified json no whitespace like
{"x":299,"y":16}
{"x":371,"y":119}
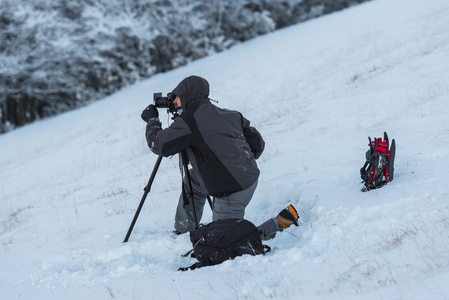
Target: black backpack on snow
{"x":378,"y":169}
{"x":226,"y":239}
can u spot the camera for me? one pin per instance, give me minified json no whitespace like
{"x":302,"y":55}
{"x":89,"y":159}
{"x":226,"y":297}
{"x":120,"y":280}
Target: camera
{"x":165,"y":102}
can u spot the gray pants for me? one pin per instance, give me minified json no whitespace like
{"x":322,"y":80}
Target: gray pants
{"x":228,"y":207}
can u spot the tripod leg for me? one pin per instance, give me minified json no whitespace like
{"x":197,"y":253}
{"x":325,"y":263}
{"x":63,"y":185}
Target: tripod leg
{"x":210,"y":202}
{"x":188,"y":188}
{"x":144,"y":196}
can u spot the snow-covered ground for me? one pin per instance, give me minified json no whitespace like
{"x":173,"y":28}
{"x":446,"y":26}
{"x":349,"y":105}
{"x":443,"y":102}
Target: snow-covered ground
{"x":70,"y":185}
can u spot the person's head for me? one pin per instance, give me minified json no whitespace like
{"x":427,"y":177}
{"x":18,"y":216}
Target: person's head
{"x":191,"y":91}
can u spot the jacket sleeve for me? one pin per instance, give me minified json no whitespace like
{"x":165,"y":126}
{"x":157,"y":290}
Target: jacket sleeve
{"x":168,"y":141}
{"x":253,"y":138}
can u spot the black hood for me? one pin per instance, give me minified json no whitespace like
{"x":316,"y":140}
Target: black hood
{"x":192,"y":90}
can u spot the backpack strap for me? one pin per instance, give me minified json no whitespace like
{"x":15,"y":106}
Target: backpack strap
{"x":266,"y":249}
{"x":188,"y":253}
{"x":192,"y":267}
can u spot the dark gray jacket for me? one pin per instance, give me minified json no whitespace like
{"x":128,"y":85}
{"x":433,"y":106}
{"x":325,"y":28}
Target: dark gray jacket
{"x":220,"y":143}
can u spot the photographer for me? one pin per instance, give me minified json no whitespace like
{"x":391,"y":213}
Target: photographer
{"x":222,"y":149}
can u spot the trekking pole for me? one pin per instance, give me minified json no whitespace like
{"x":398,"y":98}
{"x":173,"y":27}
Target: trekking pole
{"x":144,"y":196}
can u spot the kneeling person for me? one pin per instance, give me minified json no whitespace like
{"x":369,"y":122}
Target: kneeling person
{"x":222,"y":148}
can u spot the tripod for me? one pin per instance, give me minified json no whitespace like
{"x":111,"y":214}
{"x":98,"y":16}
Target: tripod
{"x":189,"y":204}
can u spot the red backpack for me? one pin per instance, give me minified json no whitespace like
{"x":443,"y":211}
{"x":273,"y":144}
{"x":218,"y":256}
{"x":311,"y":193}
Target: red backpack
{"x":378,"y":169}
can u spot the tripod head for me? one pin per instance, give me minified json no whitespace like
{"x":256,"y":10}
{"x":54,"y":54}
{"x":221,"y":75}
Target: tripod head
{"x":175,"y":113}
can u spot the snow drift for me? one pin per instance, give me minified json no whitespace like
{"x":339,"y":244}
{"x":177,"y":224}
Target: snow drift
{"x":70,"y":184}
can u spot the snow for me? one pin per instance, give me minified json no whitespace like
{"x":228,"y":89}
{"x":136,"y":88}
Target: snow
{"x":70,"y":185}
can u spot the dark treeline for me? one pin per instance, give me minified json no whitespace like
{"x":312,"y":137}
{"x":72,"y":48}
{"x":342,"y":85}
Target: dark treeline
{"x":56,"y":55}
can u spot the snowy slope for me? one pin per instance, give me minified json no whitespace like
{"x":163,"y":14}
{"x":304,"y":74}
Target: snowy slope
{"x":69,"y":185}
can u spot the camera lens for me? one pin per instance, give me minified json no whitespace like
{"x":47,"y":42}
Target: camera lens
{"x":165,"y":102}
{"x":161,"y":102}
